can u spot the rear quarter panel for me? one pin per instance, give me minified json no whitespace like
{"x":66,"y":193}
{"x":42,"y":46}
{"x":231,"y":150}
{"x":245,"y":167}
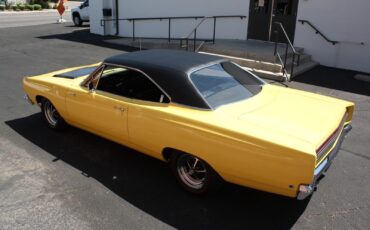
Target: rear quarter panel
{"x":52,"y":88}
{"x":238,"y":158}
{"x":55,"y":93}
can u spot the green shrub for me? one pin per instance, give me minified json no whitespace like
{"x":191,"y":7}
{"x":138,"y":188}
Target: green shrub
{"x":28,"y":7}
{"x":55,"y":6}
{"x":14,"y":8}
{"x":37,"y":7}
{"x":20,"y":6}
{"x":2,"y":7}
{"x":44,"y":3}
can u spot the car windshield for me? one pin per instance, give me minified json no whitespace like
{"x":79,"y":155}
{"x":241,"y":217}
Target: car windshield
{"x":224,"y":83}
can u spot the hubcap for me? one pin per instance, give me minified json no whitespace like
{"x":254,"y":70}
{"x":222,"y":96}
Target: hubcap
{"x":50,"y":113}
{"x":192,"y":171}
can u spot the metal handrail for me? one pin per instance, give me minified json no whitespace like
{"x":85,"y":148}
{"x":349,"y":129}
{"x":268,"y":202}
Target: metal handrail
{"x":196,"y":27}
{"x":317,"y":31}
{"x":133,"y":20}
{"x":288,"y":44}
{"x":200,"y":46}
{"x":194,"y":31}
{"x":286,"y":37}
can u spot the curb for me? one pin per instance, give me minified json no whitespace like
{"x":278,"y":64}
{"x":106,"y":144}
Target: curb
{"x":30,"y":12}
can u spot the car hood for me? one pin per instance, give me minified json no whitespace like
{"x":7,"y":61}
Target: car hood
{"x":280,"y":115}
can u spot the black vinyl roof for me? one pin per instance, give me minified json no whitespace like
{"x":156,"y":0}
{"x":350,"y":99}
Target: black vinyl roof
{"x":169,"y":69}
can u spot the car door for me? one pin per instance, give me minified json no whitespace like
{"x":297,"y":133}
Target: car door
{"x":147,"y":116}
{"x":84,"y":11}
{"x":101,"y":108}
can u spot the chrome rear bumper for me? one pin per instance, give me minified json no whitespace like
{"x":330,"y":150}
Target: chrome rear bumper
{"x":306,"y":190}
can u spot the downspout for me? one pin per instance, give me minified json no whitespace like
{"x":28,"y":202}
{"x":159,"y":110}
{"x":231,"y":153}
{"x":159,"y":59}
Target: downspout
{"x":117,"y":18}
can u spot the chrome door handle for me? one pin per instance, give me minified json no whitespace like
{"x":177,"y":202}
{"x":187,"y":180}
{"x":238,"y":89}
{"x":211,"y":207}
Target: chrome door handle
{"x":119,"y":108}
{"x":72,"y":94}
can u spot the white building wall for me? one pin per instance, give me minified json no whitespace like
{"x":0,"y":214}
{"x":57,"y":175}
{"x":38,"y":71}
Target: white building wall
{"x":96,"y":14}
{"x":234,"y":28}
{"x":341,"y":20}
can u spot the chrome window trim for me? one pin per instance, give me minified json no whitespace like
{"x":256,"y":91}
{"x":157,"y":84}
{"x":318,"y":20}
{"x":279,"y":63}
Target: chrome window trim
{"x":83,"y":84}
{"x":129,"y":68}
{"x":191,"y":71}
{"x":191,"y":107}
{"x":88,"y":79}
{"x":199,"y":93}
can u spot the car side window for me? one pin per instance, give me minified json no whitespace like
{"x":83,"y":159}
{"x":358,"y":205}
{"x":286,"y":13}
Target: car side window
{"x":144,"y":89}
{"x":84,"y":4}
{"x":129,"y":83}
{"x":114,"y":80}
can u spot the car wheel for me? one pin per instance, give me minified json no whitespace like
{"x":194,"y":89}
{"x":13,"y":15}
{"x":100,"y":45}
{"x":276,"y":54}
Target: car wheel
{"x":77,"y":20}
{"x":194,"y":174}
{"x":51,"y":115}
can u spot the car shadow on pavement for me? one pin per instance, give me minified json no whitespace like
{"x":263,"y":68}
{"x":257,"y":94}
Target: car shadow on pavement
{"x":148,"y":184}
{"x":334,"y":78}
{"x":84,"y":36}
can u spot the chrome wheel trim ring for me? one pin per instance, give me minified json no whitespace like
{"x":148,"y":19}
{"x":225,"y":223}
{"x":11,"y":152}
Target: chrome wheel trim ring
{"x":51,"y":114}
{"x":192,"y":171}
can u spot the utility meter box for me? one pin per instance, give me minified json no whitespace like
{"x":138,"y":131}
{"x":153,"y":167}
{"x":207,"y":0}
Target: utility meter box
{"x":107,"y":12}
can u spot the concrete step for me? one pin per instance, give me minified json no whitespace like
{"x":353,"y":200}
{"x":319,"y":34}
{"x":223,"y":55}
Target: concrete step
{"x":302,"y":68}
{"x":157,"y":44}
{"x":290,"y":52}
{"x":250,"y":63}
{"x":270,"y":70}
{"x":147,"y":43}
{"x":259,"y":51}
{"x":276,"y":76}
{"x":303,"y":59}
{"x":279,"y":76}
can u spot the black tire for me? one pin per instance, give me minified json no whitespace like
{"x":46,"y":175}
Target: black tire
{"x":51,"y":116}
{"x":77,"y":20}
{"x":194,"y":175}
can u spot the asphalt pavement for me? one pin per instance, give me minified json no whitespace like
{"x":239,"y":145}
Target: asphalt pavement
{"x":20,"y":19}
{"x":10,"y":19}
{"x":76,"y":180}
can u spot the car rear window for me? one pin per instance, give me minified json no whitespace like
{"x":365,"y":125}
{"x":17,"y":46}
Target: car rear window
{"x":224,"y":83}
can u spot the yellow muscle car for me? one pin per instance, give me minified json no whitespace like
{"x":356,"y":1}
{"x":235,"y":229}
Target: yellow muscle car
{"x":209,"y":118}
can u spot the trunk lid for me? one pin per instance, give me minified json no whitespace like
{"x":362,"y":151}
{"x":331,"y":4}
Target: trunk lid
{"x":291,"y":113}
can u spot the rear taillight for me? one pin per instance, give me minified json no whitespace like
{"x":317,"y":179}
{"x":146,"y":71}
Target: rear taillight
{"x":324,"y":148}
{"x":328,"y":143}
